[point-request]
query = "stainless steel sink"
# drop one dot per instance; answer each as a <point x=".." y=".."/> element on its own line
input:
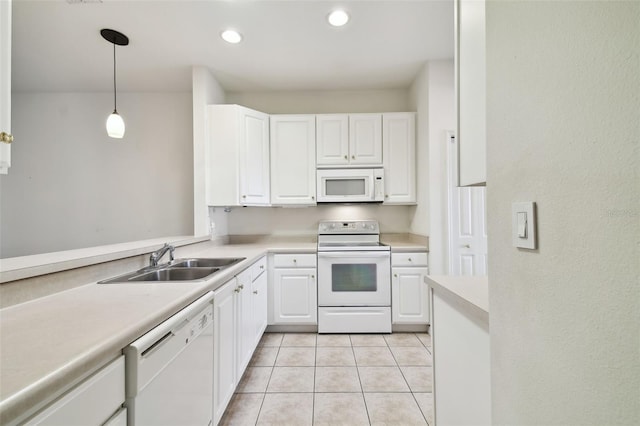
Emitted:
<point x="206" y="262"/>
<point x="175" y="274"/>
<point x="179" y="270"/>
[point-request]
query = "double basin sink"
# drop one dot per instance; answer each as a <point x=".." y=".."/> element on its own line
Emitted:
<point x="177" y="270"/>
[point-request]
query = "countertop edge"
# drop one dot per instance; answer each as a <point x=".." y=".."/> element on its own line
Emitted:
<point x="457" y="290"/>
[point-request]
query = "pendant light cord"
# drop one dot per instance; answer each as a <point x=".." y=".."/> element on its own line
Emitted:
<point x="114" y="79"/>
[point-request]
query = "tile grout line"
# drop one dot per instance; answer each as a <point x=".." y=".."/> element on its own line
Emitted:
<point x="366" y="409"/>
<point x="273" y="367"/>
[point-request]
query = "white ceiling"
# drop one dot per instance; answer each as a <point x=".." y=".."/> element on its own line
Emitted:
<point x="287" y="45"/>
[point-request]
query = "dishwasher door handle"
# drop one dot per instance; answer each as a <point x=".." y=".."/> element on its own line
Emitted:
<point x="157" y="345"/>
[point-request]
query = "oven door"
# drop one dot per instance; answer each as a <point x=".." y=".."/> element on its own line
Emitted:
<point x="354" y="278"/>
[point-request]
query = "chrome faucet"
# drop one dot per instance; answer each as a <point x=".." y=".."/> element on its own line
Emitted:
<point x="157" y="255"/>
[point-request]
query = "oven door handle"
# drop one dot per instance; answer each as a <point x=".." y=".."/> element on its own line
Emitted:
<point x="334" y="254"/>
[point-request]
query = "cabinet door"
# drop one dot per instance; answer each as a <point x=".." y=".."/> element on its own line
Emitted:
<point x="295" y="296"/>
<point x="254" y="158"/>
<point x="90" y="403"/>
<point x="293" y="160"/>
<point x="259" y="302"/>
<point x="409" y="297"/>
<point x="399" y="143"/>
<point x="471" y="91"/>
<point x="244" y="320"/>
<point x="332" y="139"/>
<point x="365" y="139"/>
<point x="5" y="83"/>
<point x="224" y="348"/>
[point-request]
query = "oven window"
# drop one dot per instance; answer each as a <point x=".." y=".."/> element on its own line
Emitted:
<point x="345" y="186"/>
<point x="356" y="277"/>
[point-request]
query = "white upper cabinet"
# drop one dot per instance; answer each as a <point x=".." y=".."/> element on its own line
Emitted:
<point x="470" y="60"/>
<point x="237" y="157"/>
<point x="399" y="142"/>
<point x="332" y="137"/>
<point x="365" y="139"/>
<point x="5" y="86"/>
<point x="293" y="159"/>
<point x="347" y="140"/>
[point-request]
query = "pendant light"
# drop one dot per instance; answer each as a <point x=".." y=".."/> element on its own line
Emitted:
<point x="115" y="124"/>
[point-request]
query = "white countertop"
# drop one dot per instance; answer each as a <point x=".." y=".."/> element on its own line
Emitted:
<point x="469" y="293"/>
<point x="50" y="344"/>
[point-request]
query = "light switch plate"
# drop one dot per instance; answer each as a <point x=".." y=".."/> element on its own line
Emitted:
<point x="524" y="211"/>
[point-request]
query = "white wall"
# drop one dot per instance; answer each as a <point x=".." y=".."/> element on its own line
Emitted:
<point x="563" y="130"/>
<point x="72" y="186"/>
<point x="432" y="96"/>
<point x="206" y="91"/>
<point x="317" y="102"/>
<point x="304" y="221"/>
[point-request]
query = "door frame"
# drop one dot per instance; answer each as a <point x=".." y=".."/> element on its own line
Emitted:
<point x="452" y="183"/>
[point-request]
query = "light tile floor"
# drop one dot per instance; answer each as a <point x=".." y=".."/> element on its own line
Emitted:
<point x="336" y="379"/>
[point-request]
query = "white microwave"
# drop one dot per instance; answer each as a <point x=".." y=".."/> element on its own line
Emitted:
<point x="350" y="185"/>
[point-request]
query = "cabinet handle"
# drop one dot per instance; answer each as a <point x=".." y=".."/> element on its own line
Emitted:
<point x="244" y="196"/>
<point x="465" y="246"/>
<point x="386" y="195"/>
<point x="6" y="137"/>
<point x="313" y="198"/>
<point x="346" y="157"/>
<point x="255" y="291"/>
<point x="261" y="266"/>
<point x="237" y="290"/>
<point x="241" y="286"/>
<point x="353" y="157"/>
<point x="410" y="260"/>
<point x="294" y="260"/>
<point x="395" y="275"/>
<point x="313" y="276"/>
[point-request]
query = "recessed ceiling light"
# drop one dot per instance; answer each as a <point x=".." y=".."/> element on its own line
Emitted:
<point x="338" y="18"/>
<point x="231" y="36"/>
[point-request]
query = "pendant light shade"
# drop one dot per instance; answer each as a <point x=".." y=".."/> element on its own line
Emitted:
<point x="115" y="123"/>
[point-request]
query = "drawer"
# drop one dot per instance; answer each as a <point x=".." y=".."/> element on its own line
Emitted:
<point x="294" y="260"/>
<point x="409" y="259"/>
<point x="258" y="268"/>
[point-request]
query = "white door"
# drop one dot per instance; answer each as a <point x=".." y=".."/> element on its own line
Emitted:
<point x="467" y="222"/>
<point x="293" y="160"/>
<point x="254" y="158"/>
<point x="399" y="145"/>
<point x="295" y="297"/>
<point x="365" y="139"/>
<point x="5" y="83"/>
<point x="332" y="139"/>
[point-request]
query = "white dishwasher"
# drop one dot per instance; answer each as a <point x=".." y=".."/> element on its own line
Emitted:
<point x="169" y="370"/>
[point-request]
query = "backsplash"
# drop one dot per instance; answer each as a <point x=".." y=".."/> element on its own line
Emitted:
<point x="304" y="221"/>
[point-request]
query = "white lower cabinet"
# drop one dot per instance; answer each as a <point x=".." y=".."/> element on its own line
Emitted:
<point x="224" y="347"/>
<point x="239" y="319"/>
<point x="259" y="291"/>
<point x="295" y="296"/>
<point x="409" y="293"/>
<point x="93" y="402"/>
